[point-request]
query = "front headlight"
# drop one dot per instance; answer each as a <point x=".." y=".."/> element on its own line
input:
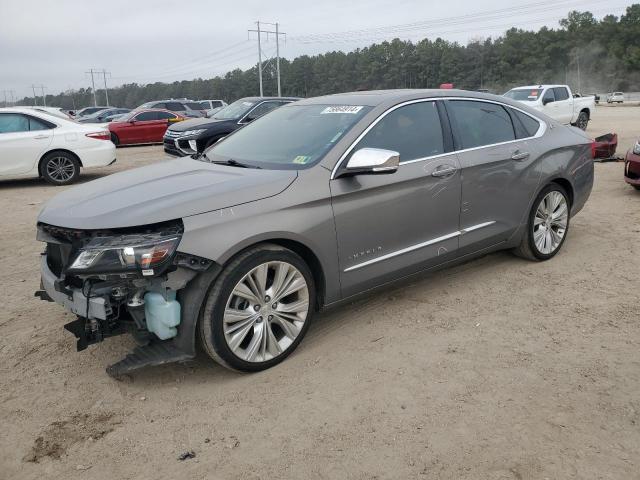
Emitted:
<point x="636" y="148"/>
<point x="144" y="253"/>
<point x="191" y="133"/>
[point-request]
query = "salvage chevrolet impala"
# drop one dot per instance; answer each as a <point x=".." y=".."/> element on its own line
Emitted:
<point x="308" y="206"/>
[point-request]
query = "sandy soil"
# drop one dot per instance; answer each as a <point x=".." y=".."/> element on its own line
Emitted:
<point x="496" y="369"/>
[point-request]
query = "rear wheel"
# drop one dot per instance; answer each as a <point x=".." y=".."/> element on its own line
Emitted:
<point x="59" y="168"/>
<point x="548" y="225"/>
<point x="259" y="309"/>
<point x="582" y="121"/>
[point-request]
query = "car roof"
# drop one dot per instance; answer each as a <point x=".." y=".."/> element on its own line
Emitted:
<point x="374" y="98"/>
<point x="260" y="99"/>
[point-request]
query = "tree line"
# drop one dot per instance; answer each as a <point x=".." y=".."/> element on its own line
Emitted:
<point x="590" y="55"/>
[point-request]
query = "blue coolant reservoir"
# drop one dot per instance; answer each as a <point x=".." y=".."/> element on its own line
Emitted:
<point x="162" y="315"/>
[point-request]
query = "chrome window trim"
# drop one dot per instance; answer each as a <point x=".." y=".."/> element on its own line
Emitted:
<point x="541" y="130"/>
<point x="418" y="246"/>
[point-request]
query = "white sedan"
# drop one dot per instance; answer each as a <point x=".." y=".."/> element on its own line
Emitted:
<point x="36" y="144"/>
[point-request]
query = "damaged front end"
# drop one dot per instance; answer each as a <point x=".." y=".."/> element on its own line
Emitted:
<point x="126" y="280"/>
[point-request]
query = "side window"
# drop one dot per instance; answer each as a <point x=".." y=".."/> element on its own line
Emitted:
<point x="480" y="123"/>
<point x="164" y="115"/>
<point x="561" y="93"/>
<point x="13" y="122"/>
<point x="526" y="126"/>
<point x="216" y="104"/>
<point x="36" y="124"/>
<point x="146" y="116"/>
<point x="549" y="96"/>
<point x="175" y="107"/>
<point x="261" y="109"/>
<point x="413" y="130"/>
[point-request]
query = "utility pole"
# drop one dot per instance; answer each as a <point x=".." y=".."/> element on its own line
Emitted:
<point x="35" y="99"/>
<point x="278" y="59"/>
<point x="11" y="92"/>
<point x="104" y="77"/>
<point x="44" y="99"/>
<point x="93" y="87"/>
<point x="277" y="34"/>
<point x="579" y="83"/>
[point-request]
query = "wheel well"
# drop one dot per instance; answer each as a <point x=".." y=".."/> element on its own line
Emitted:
<point x="566" y="184"/>
<point x="586" y="110"/>
<point x="308" y="256"/>
<point x="59" y="150"/>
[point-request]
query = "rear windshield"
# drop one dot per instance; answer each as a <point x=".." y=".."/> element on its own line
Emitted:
<point x="524" y="94"/>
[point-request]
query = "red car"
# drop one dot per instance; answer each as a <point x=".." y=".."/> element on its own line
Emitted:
<point x="142" y="126"/>
<point x="632" y="166"/>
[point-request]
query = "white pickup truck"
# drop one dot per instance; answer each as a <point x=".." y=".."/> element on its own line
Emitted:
<point x="558" y="102"/>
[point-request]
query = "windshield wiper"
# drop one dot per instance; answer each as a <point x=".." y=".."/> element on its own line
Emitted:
<point x="235" y="163"/>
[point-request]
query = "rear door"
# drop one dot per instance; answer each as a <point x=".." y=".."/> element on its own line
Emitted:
<point x="393" y="225"/>
<point x="23" y="140"/>
<point x="161" y="125"/>
<point x="142" y="128"/>
<point x="498" y="172"/>
<point x="563" y="105"/>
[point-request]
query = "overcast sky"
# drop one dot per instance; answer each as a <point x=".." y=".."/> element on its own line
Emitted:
<point x="53" y="42"/>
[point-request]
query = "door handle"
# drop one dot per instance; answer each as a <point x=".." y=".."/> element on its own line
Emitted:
<point x="40" y="137"/>
<point x="444" y="171"/>
<point x="518" y="155"/>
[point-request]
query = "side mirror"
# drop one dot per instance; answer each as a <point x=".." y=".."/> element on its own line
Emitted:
<point x="547" y="100"/>
<point x="367" y="161"/>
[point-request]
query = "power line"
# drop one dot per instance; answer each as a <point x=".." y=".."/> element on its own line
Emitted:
<point x="444" y="21"/>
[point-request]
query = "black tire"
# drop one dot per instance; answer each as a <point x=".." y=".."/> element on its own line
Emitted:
<point x="211" y="324"/>
<point x="637" y="187"/>
<point x="59" y="168"/>
<point x="582" y="121"/>
<point x="527" y="248"/>
<point x="115" y="139"/>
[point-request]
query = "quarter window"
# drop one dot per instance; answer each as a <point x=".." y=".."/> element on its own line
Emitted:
<point x="526" y="126"/>
<point x="413" y="130"/>
<point x="480" y="123"/>
<point x="549" y="96"/>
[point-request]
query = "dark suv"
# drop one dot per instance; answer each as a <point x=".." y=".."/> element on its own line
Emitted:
<point x="186" y="108"/>
<point x="195" y="135"/>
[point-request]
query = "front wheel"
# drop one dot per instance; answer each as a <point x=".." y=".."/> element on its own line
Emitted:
<point x="547" y="226"/>
<point x="258" y="309"/>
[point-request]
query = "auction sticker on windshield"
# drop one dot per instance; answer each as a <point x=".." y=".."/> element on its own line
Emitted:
<point x="342" y="109"/>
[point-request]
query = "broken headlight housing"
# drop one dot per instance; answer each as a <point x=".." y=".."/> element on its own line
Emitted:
<point x="147" y="254"/>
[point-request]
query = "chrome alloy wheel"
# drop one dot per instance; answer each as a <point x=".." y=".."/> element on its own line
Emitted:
<point x="550" y="222"/>
<point x="60" y="169"/>
<point x="266" y="311"/>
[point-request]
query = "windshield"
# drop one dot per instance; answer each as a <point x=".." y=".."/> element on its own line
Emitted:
<point x="524" y="94"/>
<point x="290" y="137"/>
<point x="235" y="110"/>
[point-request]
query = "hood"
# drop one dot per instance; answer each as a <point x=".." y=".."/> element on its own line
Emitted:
<point x="160" y="192"/>
<point x="194" y="123"/>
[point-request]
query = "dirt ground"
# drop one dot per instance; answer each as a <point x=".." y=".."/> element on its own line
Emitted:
<point x="496" y="369"/>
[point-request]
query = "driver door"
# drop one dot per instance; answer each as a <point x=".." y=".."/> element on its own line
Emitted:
<point x="392" y="225"/>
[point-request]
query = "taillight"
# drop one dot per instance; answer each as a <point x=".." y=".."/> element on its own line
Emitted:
<point x="103" y="135"/>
